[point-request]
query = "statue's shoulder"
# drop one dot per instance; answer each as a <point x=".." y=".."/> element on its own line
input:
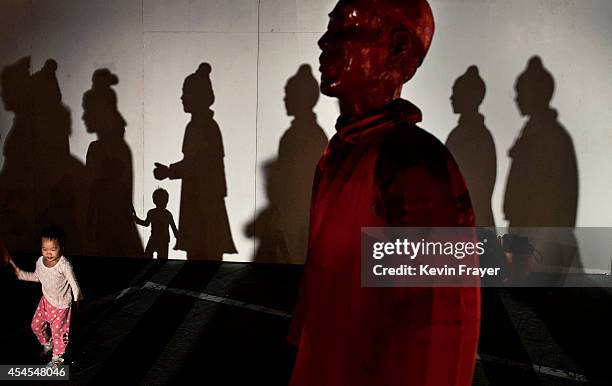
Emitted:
<point x="409" y="145"/>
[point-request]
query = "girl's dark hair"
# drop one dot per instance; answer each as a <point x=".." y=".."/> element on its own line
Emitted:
<point x="160" y="196"/>
<point x="54" y="233"/>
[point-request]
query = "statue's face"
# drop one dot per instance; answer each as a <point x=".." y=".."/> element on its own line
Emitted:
<point x="7" y="99"/>
<point x="534" y="88"/>
<point x="465" y="97"/>
<point x="197" y="95"/>
<point x="187" y="98"/>
<point x="456" y="99"/>
<point x="520" y="101"/>
<point x="354" y="51"/>
<point x="14" y="94"/>
<point x="89" y="117"/>
<point x="525" y="99"/>
<point x="289" y="101"/>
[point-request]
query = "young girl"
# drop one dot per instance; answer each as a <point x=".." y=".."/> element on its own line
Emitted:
<point x="59" y="288"/>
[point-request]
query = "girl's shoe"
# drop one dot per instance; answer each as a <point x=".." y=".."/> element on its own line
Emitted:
<point x="55" y="362"/>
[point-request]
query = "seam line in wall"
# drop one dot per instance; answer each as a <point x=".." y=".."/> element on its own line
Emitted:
<point x="142" y="203"/>
<point x="256" y="129"/>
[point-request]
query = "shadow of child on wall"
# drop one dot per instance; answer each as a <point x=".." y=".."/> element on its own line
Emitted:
<point x="160" y="219"/>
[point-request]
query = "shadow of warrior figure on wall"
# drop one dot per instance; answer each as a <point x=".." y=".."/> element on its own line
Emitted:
<point x="110" y="228"/>
<point x="17" y="208"/>
<point x="60" y="177"/>
<point x="203" y="222"/>
<point x="41" y="182"/>
<point x="471" y="143"/>
<point x="299" y="151"/>
<point x="473" y="148"/>
<point x="542" y="186"/>
<point x="265" y="227"/>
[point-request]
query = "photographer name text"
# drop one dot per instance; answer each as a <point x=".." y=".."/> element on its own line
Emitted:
<point x="425" y="270"/>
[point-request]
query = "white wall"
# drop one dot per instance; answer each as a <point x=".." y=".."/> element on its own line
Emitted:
<point x="255" y="46"/>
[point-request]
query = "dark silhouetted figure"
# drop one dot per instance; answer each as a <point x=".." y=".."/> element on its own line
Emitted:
<point x="110" y="227"/>
<point x="61" y="177"/>
<point x="542" y="186"/>
<point x="472" y="145"/>
<point x="265" y="228"/>
<point x="160" y="220"/>
<point x="205" y="231"/>
<point x="17" y="209"/>
<point x="299" y="151"/>
<point x="541" y="202"/>
<point x="473" y="148"/>
<point x="282" y="227"/>
<point x="42" y="176"/>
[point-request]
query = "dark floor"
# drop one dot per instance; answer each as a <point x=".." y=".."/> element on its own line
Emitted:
<point x="153" y="322"/>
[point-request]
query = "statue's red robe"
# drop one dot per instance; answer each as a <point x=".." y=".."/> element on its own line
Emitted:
<point x="382" y="170"/>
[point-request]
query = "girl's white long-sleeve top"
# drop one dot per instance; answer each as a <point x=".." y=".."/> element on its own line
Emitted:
<point x="59" y="284"/>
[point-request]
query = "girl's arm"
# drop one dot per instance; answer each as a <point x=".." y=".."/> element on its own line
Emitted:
<point x="24" y="275"/>
<point x="145" y="223"/>
<point x="7" y="259"/>
<point x="4" y="255"/>
<point x="21" y="275"/>
<point x="173" y="226"/>
<point x="74" y="285"/>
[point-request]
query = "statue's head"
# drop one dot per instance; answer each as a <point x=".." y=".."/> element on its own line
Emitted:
<point x="16" y="85"/>
<point x="197" y="90"/>
<point x="301" y="92"/>
<point x="374" y="46"/>
<point x="468" y="92"/>
<point x="534" y="87"/>
<point x="47" y="95"/>
<point x="100" y="113"/>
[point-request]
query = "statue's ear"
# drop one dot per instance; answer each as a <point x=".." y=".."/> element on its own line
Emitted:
<point x="406" y="54"/>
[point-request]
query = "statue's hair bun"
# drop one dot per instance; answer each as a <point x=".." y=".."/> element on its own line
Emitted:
<point x="204" y="69"/>
<point x="50" y="65"/>
<point x="304" y="70"/>
<point x="535" y="62"/>
<point x="472" y="70"/>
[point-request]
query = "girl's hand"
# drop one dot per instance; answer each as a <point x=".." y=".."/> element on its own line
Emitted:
<point x="4" y="255"/>
<point x="14" y="266"/>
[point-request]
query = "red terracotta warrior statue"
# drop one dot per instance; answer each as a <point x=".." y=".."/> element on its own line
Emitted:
<point x="380" y="169"/>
